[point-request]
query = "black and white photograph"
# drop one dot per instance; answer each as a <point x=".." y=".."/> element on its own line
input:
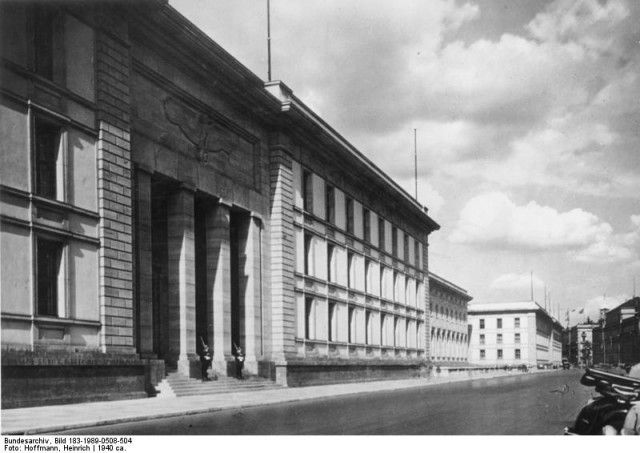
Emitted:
<point x="258" y="220"/>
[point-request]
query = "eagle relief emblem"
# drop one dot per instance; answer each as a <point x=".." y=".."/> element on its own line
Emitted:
<point x="205" y="135"/>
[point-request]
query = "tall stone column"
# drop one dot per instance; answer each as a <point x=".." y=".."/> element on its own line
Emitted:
<point x="182" y="279"/>
<point x="283" y="322"/>
<point x="218" y="236"/>
<point x="253" y="295"/>
<point x="144" y="266"/>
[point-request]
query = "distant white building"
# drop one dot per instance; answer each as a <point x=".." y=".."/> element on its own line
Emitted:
<point x="449" y="325"/>
<point x="514" y="333"/>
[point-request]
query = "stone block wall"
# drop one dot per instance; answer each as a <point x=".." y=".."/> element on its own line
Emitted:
<point x="115" y="185"/>
<point x="56" y="377"/>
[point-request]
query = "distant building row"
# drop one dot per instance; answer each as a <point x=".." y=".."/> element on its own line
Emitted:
<point x="613" y="340"/>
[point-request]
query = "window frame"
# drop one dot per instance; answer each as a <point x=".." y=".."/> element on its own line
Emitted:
<point x="349" y="207"/>
<point x="55" y="306"/>
<point x="307" y="190"/>
<point x="43" y="125"/>
<point x="366" y="224"/>
<point x="330" y="204"/>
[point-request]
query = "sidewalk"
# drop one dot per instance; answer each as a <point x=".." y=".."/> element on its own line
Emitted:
<point x="50" y="419"/>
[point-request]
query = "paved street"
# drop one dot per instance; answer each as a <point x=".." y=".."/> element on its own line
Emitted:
<point x="537" y="403"/>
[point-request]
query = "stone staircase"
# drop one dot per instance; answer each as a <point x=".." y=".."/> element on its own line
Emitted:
<point x="177" y="385"/>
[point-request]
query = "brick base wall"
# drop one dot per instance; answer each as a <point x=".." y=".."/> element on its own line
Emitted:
<point x="39" y="379"/>
<point x="305" y="373"/>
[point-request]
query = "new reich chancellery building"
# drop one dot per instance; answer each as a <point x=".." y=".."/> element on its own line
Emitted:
<point x="156" y="195"/>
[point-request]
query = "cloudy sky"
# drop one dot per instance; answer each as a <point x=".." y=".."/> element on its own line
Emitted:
<point x="527" y="115"/>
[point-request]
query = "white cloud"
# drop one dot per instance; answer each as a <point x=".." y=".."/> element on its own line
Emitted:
<point x="613" y="248"/>
<point x="516" y="282"/>
<point x="580" y="21"/>
<point x="492" y="218"/>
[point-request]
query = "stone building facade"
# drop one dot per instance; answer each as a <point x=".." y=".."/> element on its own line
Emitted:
<point x="575" y="340"/>
<point x="616" y="338"/>
<point x="514" y="333"/>
<point x="449" y="321"/>
<point x="157" y="195"/>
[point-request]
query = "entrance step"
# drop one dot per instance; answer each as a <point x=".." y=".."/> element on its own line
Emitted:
<point x="177" y="385"/>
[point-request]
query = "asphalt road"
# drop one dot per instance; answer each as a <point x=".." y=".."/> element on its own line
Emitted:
<point x="522" y="404"/>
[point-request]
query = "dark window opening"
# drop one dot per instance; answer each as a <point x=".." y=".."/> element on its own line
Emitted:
<point x="47" y="147"/>
<point x="307" y="191"/>
<point x="307" y="254"/>
<point x="49" y="254"/>
<point x="381" y="235"/>
<point x="366" y="223"/>
<point x="308" y="313"/>
<point x="43" y="40"/>
<point x="330" y="204"/>
<point x="349" y="215"/>
<point x="394" y="241"/>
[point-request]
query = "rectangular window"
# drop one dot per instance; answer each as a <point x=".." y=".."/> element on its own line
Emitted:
<point x="483" y="354"/>
<point x="43" y="40"/>
<point x="352" y="325"/>
<point x="516" y="323"/>
<point x="482" y="323"/>
<point x="396" y="287"/>
<point x="366" y="224"/>
<point x="394" y="241"/>
<point x="499" y="323"/>
<point x="350" y="270"/>
<point x="369" y="330"/>
<point x="330" y="204"/>
<point x="381" y="235"/>
<point x="481" y="338"/>
<point x="499" y="338"/>
<point x="367" y="276"/>
<point x="333" y="333"/>
<point x="517" y="338"/>
<point x="499" y="354"/>
<point x="330" y="257"/>
<point x="48" y="257"/>
<point x="47" y="140"/>
<point x="349" y="214"/>
<point x="416" y="250"/>
<point x="407" y="290"/>
<point x="396" y="341"/>
<point x="307" y="254"/>
<point x="406" y="247"/>
<point x="308" y="318"/>
<point x="517" y="353"/>
<point x="307" y="190"/>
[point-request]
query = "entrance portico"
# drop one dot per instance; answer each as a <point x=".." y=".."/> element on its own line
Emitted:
<point x="202" y="256"/>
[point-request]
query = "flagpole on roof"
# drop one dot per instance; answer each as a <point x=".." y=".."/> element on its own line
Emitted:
<point x="269" y="40"/>
<point x="415" y="156"/>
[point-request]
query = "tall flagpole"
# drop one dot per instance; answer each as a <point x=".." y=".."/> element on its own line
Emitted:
<point x="269" y="40"/>
<point x="532" y="285"/>
<point x="415" y="155"/>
